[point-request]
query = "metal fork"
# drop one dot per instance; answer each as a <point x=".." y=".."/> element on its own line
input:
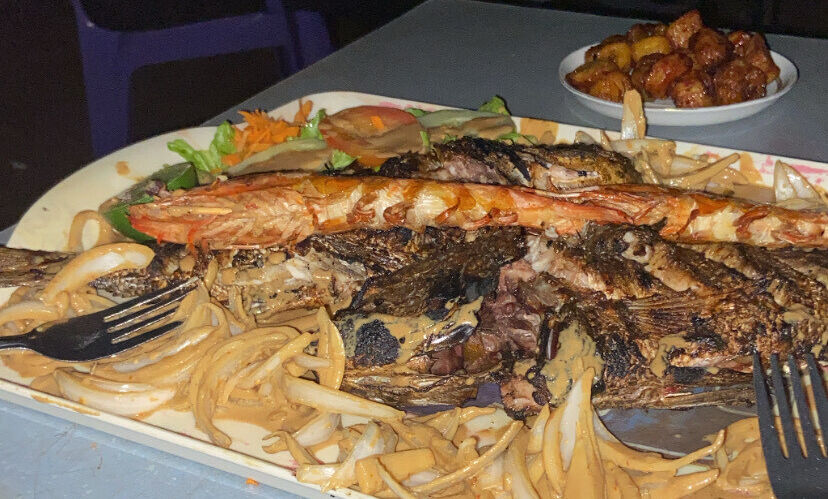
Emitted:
<point x="799" y="474"/>
<point x="108" y="332"/>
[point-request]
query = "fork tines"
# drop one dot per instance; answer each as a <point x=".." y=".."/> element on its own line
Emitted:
<point x="793" y="470"/>
<point x="145" y="311"/>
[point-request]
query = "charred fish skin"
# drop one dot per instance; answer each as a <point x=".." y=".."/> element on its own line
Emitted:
<point x="696" y="324"/>
<point x="462" y="265"/>
<point x="795" y="288"/>
<point x="544" y="167"/>
<point x="432" y="299"/>
<point x="172" y="263"/>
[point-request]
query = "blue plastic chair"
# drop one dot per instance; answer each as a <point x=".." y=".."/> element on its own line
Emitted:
<point x="110" y="57"/>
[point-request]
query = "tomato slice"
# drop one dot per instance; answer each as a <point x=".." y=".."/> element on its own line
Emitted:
<point x="373" y="133"/>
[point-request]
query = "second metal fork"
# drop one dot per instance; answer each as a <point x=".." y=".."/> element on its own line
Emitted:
<point x="797" y="472"/>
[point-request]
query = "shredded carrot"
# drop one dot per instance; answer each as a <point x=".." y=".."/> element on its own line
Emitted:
<point x="377" y="122"/>
<point x="250" y="481"/>
<point x="263" y="131"/>
<point x="231" y="159"/>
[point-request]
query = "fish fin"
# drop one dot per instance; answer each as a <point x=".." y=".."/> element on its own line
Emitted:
<point x="22" y="267"/>
<point x="684" y="301"/>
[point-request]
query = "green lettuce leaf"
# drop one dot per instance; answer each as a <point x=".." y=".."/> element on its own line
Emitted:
<point x="425" y="139"/>
<point x="310" y="130"/>
<point x="223" y="139"/>
<point x="208" y="160"/>
<point x="416" y="112"/>
<point x="340" y="159"/>
<point x="495" y="105"/>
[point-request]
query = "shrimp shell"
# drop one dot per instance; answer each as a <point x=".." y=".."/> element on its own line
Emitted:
<point x="283" y="209"/>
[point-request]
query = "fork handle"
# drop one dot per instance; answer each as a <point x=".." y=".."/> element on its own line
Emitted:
<point x="19" y="341"/>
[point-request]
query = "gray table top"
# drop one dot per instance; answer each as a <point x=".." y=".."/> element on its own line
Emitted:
<point x="461" y="53"/>
<point x="445" y="51"/>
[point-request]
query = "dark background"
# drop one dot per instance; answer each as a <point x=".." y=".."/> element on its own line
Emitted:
<point x="44" y="130"/>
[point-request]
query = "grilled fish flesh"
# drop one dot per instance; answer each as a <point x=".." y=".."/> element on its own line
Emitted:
<point x="483" y="161"/>
<point x="658" y="319"/>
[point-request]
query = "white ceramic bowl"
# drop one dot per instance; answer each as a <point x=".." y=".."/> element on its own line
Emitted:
<point x="664" y="112"/>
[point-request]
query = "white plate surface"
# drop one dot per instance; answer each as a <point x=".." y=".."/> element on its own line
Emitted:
<point x="45" y="226"/>
<point x="664" y="112"/>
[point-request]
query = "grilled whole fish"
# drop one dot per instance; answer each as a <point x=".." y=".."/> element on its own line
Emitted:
<point x="427" y="317"/>
<point x="657" y="319"/>
<point x="549" y="168"/>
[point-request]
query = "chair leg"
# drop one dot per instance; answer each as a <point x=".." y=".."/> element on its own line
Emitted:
<point x="107" y="91"/>
<point x="289" y="59"/>
<point x="282" y="37"/>
<point x="312" y="37"/>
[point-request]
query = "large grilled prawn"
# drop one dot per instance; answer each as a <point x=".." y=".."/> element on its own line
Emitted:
<point x="283" y="209"/>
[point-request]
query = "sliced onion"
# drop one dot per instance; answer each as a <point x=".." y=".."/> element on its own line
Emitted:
<point x="551" y="452"/>
<point x="317" y="474"/>
<point x="369" y="444"/>
<point x="634" y="146"/>
<point x="334" y="351"/>
<point x="395" y="486"/>
<point x="605" y="141"/>
<point x="106" y="234"/>
<point x="790" y="184"/>
<point x="753" y="192"/>
<point x="322" y="398"/>
<point x="633" y="124"/>
<point x="33" y="310"/>
<point x="582" y="137"/>
<point x="569" y="418"/>
<point x="685" y="164"/>
<point x="310" y="362"/>
<point x="293" y="347"/>
<point x="536" y="435"/>
<point x="317" y="430"/>
<point x="484" y="428"/>
<point x="515" y="464"/>
<point x="649" y="462"/>
<point x="601" y="430"/>
<point x="169" y="349"/>
<point x="95" y="263"/>
<point x="421" y="477"/>
<point x="642" y="164"/>
<point x="475" y="466"/>
<point x="701" y="176"/>
<point x="125" y="399"/>
<point x="490" y="477"/>
<point x="585" y="465"/>
<point x="171" y="369"/>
